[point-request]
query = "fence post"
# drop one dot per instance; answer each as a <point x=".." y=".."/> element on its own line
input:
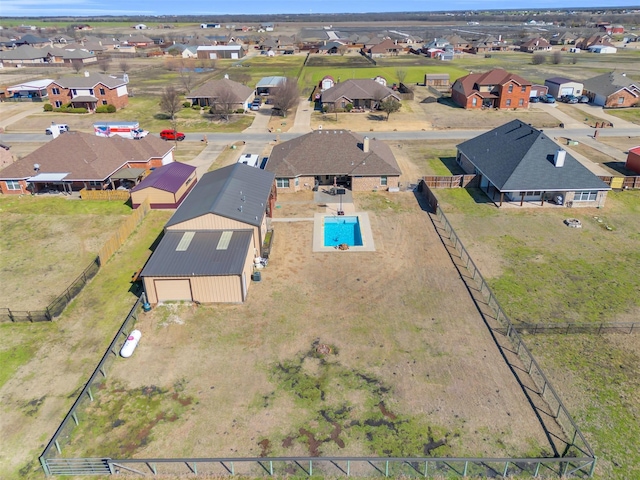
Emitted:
<point x="10" y="315"/>
<point x="45" y="466"/>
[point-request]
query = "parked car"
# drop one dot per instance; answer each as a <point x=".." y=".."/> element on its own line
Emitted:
<point x="58" y="127"/>
<point x="172" y="135"/>
<point x="534" y="100"/>
<point x="569" y="99"/>
<point x="583" y="99"/>
<point x="548" y="98"/>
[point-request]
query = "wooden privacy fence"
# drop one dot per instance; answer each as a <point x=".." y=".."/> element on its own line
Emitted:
<point x="451" y="181"/>
<point x="621" y="183"/>
<point x="123" y="232"/>
<point x="122" y="195"/>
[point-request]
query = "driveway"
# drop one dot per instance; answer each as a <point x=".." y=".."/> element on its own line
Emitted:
<point x="302" y="122"/>
<point x="14" y="111"/>
<point x="598" y="111"/>
<point x="551" y="109"/>
<point x="261" y="121"/>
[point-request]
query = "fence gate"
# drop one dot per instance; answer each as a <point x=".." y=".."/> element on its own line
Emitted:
<point x="78" y="466"/>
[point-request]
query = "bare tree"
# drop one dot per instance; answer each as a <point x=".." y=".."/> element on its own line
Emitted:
<point x="77" y="66"/>
<point x="225" y="102"/>
<point x="125" y="66"/>
<point x="401" y="74"/>
<point x="240" y="77"/>
<point x="538" y="59"/>
<point x="342" y="49"/>
<point x="390" y="106"/>
<point x="170" y="102"/>
<point x="104" y="64"/>
<point x="556" y="58"/>
<point x="186" y="76"/>
<point x="286" y="95"/>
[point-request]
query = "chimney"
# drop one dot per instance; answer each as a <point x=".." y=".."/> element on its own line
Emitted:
<point x="558" y="158"/>
<point x="365" y="145"/>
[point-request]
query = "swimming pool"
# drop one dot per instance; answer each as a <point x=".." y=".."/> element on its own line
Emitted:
<point x="339" y="230"/>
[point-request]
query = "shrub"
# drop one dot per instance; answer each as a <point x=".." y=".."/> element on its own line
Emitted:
<point x="102" y="109"/>
<point x="48" y="107"/>
<point x="349" y="107"/>
<point x="538" y="59"/>
<point x="195" y="107"/>
<point x="239" y="110"/>
<point x="70" y="110"/>
<point x="186" y="104"/>
<point x="111" y="109"/>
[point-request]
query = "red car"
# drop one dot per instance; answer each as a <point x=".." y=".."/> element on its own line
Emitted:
<point x="172" y="135"/>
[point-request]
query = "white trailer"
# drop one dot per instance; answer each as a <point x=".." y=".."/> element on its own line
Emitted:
<point x="123" y="129"/>
<point x="252" y="160"/>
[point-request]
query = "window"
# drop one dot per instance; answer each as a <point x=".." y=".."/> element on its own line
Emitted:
<point x="523" y="89"/>
<point x="296" y="182"/>
<point x="91" y="91"/>
<point x="521" y="102"/>
<point x="13" y="185"/>
<point x="383" y="180"/>
<point x="344" y="104"/>
<point x="55" y="91"/>
<point x="586" y="196"/>
<point x="74" y="92"/>
<point x="508" y="102"/>
<point x="510" y="88"/>
<point x="58" y="103"/>
<point x="282" y="182"/>
<point x="104" y="102"/>
<point x="94" y="183"/>
<point x="102" y="92"/>
<point x="620" y="100"/>
<point x="474" y="101"/>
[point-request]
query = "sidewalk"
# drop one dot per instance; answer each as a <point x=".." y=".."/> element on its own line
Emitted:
<point x="602" y="113"/>
<point x="559" y="115"/>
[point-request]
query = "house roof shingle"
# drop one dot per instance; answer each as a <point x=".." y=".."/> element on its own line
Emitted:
<point x="332" y="152"/>
<point x="516" y="157"/>
<point x="214" y="88"/>
<point x="86" y="157"/>
<point x="609" y="83"/>
<point x="169" y="177"/>
<point x="89" y="81"/>
<point x="358" y="89"/>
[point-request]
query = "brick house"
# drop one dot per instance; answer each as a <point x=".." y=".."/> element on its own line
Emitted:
<point x="633" y="159"/>
<point x="537" y="44"/>
<point x="333" y="157"/>
<point x="89" y="91"/>
<point x="612" y="90"/>
<point x="519" y="164"/>
<point x="360" y="92"/>
<point x="496" y="88"/>
<point x="76" y="160"/>
<point x="385" y="48"/>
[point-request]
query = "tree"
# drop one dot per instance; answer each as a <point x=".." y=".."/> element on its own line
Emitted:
<point x="240" y="77"/>
<point x="125" y="66"/>
<point x="286" y="95"/>
<point x="104" y="63"/>
<point x="342" y="49"/>
<point x="556" y="58"/>
<point x="77" y="66"/>
<point x="538" y="59"/>
<point x="224" y="102"/>
<point x="170" y="102"/>
<point x="389" y="106"/>
<point x="186" y="76"/>
<point x="401" y="74"/>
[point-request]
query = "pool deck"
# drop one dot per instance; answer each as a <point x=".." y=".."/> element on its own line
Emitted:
<point x="365" y="232"/>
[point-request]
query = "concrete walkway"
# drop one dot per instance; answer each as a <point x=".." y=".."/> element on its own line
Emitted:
<point x="16" y="111"/>
<point x="261" y="121"/>
<point x="555" y="112"/>
<point x="597" y="111"/>
<point x="206" y="157"/>
<point x="302" y="123"/>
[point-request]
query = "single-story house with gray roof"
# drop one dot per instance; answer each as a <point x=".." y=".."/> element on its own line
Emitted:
<point x="208" y="249"/>
<point x="361" y="93"/>
<point x="328" y="157"/>
<point x="518" y="163"/>
<point x="224" y="93"/>
<point x="612" y="90"/>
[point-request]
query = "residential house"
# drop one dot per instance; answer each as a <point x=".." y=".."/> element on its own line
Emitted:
<point x="360" y="93"/>
<point x="165" y="187"/>
<point x="207" y="252"/>
<point x="385" y="48"/>
<point x="459" y="43"/>
<point x="633" y="159"/>
<point x="138" y="40"/>
<point x="89" y="91"/>
<point x="538" y="90"/>
<point x="612" y="90"/>
<point x="76" y="160"/>
<point x="520" y="164"/>
<point x="496" y="88"/>
<point x="567" y="38"/>
<point x="603" y="49"/>
<point x="34" y="41"/>
<point x="332" y="48"/>
<point x="561" y="86"/>
<point x="537" y="44"/>
<point x="333" y="157"/>
<point x="224" y="93"/>
<point x="487" y="44"/>
<point x="232" y="51"/>
<point x="585" y="43"/>
<point x="31" y="56"/>
<point x="267" y="26"/>
<point x="325" y="84"/>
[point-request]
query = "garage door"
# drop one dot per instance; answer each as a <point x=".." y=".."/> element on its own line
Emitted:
<point x="566" y="91"/>
<point x="234" y="56"/>
<point x="167" y="290"/>
<point x="213" y="56"/>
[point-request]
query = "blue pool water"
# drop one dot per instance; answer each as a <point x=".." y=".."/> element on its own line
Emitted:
<point x="339" y="230"/>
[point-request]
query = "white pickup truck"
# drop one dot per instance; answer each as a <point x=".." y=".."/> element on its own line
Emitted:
<point x="56" y="129"/>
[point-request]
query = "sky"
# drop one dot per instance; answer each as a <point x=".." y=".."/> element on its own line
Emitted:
<point x="36" y="8"/>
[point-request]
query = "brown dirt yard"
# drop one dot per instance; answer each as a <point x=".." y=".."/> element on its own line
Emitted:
<point x="411" y="361"/>
<point x="417" y="115"/>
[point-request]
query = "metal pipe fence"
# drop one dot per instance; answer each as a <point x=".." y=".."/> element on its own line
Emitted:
<point x="577" y="442"/>
<point x="572" y="328"/>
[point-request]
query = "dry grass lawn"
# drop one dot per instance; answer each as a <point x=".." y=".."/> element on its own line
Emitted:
<point x="411" y="361"/>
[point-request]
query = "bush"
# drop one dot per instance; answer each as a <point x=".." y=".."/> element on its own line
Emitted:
<point x="186" y="104"/>
<point x="195" y="107"/>
<point x="48" y="107"/>
<point x="349" y="107"/>
<point x="70" y="110"/>
<point x="111" y="109"/>
<point x="538" y="59"/>
<point x="239" y="110"/>
<point x="102" y="109"/>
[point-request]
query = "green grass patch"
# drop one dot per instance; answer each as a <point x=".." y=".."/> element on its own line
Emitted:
<point x="13" y="358"/>
<point x="470" y="201"/>
<point x="606" y="374"/>
<point x="36" y="205"/>
<point x="629" y="114"/>
<point x="379" y="202"/>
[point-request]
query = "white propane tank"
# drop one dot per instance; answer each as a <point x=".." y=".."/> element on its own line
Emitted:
<point x="130" y="344"/>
